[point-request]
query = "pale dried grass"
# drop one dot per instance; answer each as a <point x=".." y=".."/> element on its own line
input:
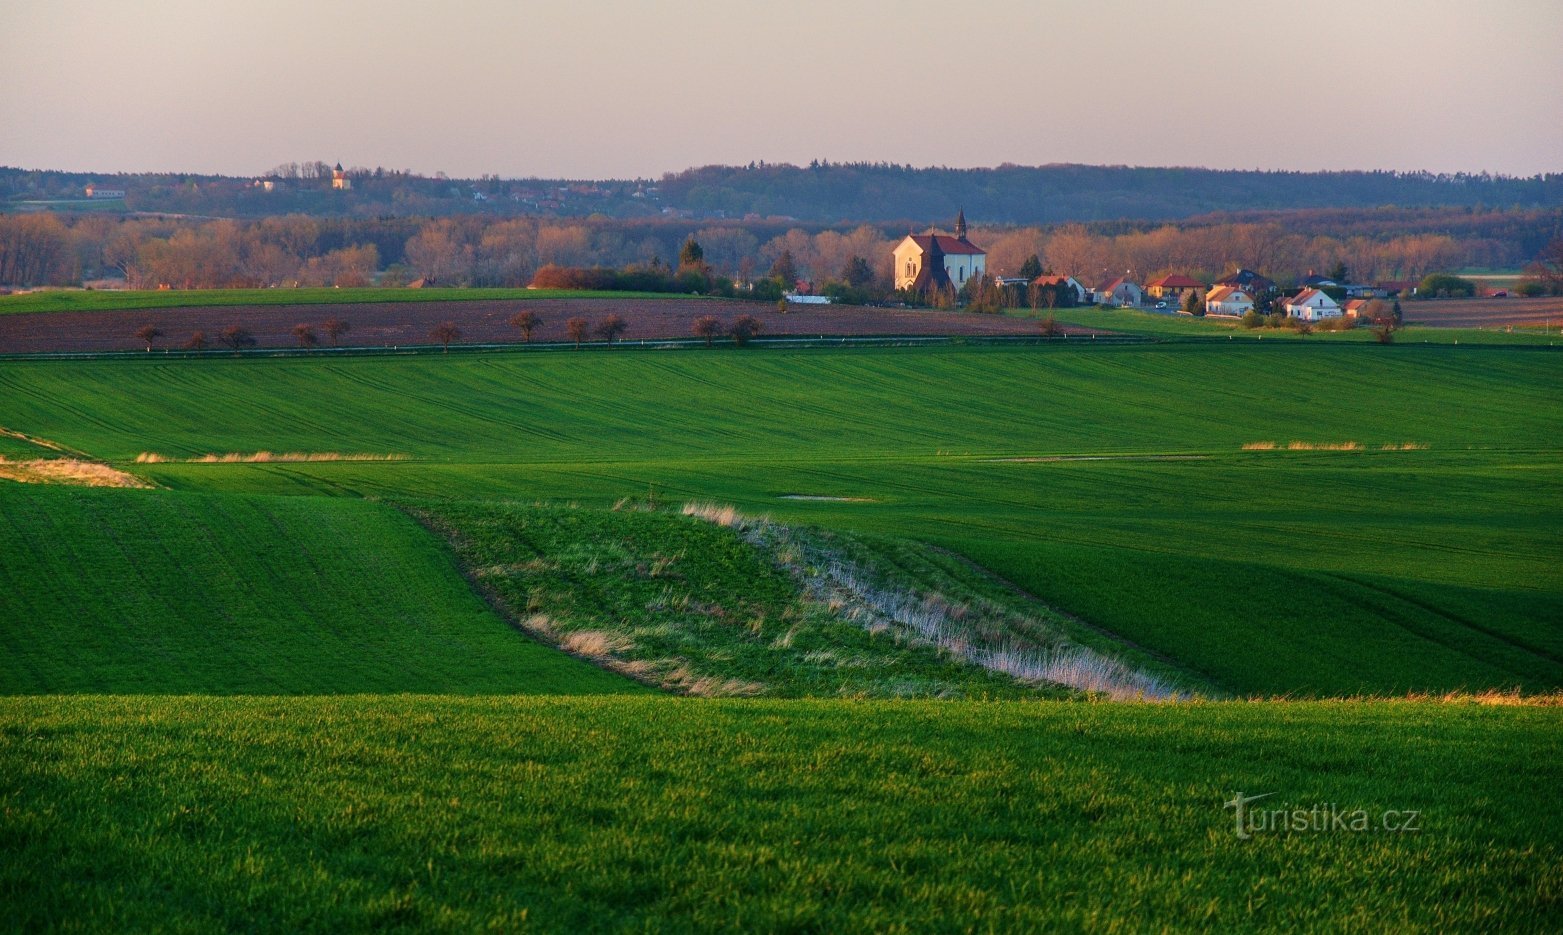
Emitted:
<point x="68" y="471"/>
<point x="595" y="644"/>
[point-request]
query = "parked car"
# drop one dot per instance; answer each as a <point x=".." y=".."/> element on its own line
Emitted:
<point x="1158" y="304"/>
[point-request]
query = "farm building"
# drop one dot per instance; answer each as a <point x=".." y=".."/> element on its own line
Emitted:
<point x="1120" y="291"/>
<point x="1312" y="305"/>
<point x="1228" y="300"/>
<point x="938" y="260"/>
<point x="98" y="192"/>
<point x="1174" y="286"/>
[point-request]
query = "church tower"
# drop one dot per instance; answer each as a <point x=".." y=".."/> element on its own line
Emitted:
<point x="960" y="226"/>
<point x="339" y="179"/>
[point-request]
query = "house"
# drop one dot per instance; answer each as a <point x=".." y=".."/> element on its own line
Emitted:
<point x="1355" y="308"/>
<point x="1228" y="300"/>
<point x="1315" y="281"/>
<point x="1246" y="280"/>
<point x="99" y="193"/>
<point x="1311" y="305"/>
<point x="930" y="260"/>
<point x="1174" y="286"/>
<point x="339" y="180"/>
<point x="1120" y="291"/>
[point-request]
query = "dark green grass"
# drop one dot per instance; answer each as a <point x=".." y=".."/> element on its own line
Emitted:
<point x="162" y="593"/>
<point x="109" y="300"/>
<point x="1253" y="565"/>
<point x="357" y="814"/>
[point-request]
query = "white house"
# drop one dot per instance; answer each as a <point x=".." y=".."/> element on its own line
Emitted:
<point x="933" y="259"/>
<point x="1120" y="291"/>
<point x="1312" y="305"/>
<point x="1228" y="300"/>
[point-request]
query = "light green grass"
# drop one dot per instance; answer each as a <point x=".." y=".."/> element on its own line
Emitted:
<point x="432" y="814"/>
<point x="74" y="300"/>
<point x="166" y="593"/>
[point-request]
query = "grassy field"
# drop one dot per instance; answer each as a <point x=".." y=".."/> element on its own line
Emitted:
<point x="358" y="814"/>
<point x="1266" y="571"/>
<point x="1270" y="518"/>
<point x="167" y="593"/>
<point x="1186" y="327"/>
<point x="76" y="300"/>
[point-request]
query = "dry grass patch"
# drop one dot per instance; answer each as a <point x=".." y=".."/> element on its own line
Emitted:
<point x="68" y="471"/>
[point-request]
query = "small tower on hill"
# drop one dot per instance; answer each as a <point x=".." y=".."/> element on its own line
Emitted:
<point x="339" y="179"/>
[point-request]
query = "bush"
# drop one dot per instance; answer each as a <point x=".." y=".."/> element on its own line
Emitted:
<point x="1531" y="288"/>
<point x="1276" y="320"/>
<point x="1443" y="285"/>
<point x="1252" y="319"/>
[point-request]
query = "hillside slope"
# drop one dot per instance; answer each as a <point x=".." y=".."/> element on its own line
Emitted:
<point x="168" y="593"/>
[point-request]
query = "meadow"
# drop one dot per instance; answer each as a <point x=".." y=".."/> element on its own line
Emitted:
<point x="311" y="683"/>
<point x="616" y="814"/>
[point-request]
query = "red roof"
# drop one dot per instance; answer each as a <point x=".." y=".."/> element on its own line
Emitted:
<point x="1175" y="281"/>
<point x="948" y="244"/>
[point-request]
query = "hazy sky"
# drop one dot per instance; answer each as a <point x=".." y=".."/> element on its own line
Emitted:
<point x="622" y="89"/>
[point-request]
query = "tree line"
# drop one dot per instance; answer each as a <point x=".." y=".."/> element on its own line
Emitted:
<point x="298" y="250"/>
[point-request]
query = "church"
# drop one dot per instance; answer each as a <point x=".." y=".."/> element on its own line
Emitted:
<point x="938" y="260"/>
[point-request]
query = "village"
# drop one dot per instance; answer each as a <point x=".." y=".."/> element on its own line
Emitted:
<point x="932" y="263"/>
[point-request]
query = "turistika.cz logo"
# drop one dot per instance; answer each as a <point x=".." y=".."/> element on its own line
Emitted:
<point x="1316" y="818"/>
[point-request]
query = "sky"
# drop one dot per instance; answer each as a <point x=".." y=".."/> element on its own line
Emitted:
<point x="624" y="89"/>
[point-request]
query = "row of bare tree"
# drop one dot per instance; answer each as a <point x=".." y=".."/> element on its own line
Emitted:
<point x="45" y="249"/>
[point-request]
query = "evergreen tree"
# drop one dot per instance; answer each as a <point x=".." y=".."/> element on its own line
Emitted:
<point x="786" y="269"/>
<point x="1032" y="268"/>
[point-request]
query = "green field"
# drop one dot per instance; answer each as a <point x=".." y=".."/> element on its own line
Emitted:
<point x="1246" y="518"/>
<point x="162" y="593"/>
<point x="359" y="814"/>
<point x="1266" y="572"/>
<point x="74" y="300"/>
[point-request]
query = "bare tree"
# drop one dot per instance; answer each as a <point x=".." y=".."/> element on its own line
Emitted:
<point x="146" y="334"/>
<point x="526" y="323"/>
<point x="577" y="328"/>
<point x="306" y="335"/>
<point x="236" y="337"/>
<point x="197" y="340"/>
<point x="1049" y="326"/>
<point x="611" y="327"/>
<point x="743" y="328"/>
<point x="335" y="328"/>
<point x="708" y="327"/>
<point x="446" y="332"/>
<point x="1384" y="321"/>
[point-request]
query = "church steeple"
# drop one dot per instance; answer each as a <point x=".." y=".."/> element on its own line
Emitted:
<point x="960" y="225"/>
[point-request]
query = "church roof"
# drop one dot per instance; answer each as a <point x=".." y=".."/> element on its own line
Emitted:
<point x="947" y="244"/>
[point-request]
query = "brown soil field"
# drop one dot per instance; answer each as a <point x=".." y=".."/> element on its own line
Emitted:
<point x="400" y="324"/>
<point x="1483" y="313"/>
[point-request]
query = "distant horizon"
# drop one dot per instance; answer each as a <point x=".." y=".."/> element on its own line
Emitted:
<point x="358" y="166"/>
